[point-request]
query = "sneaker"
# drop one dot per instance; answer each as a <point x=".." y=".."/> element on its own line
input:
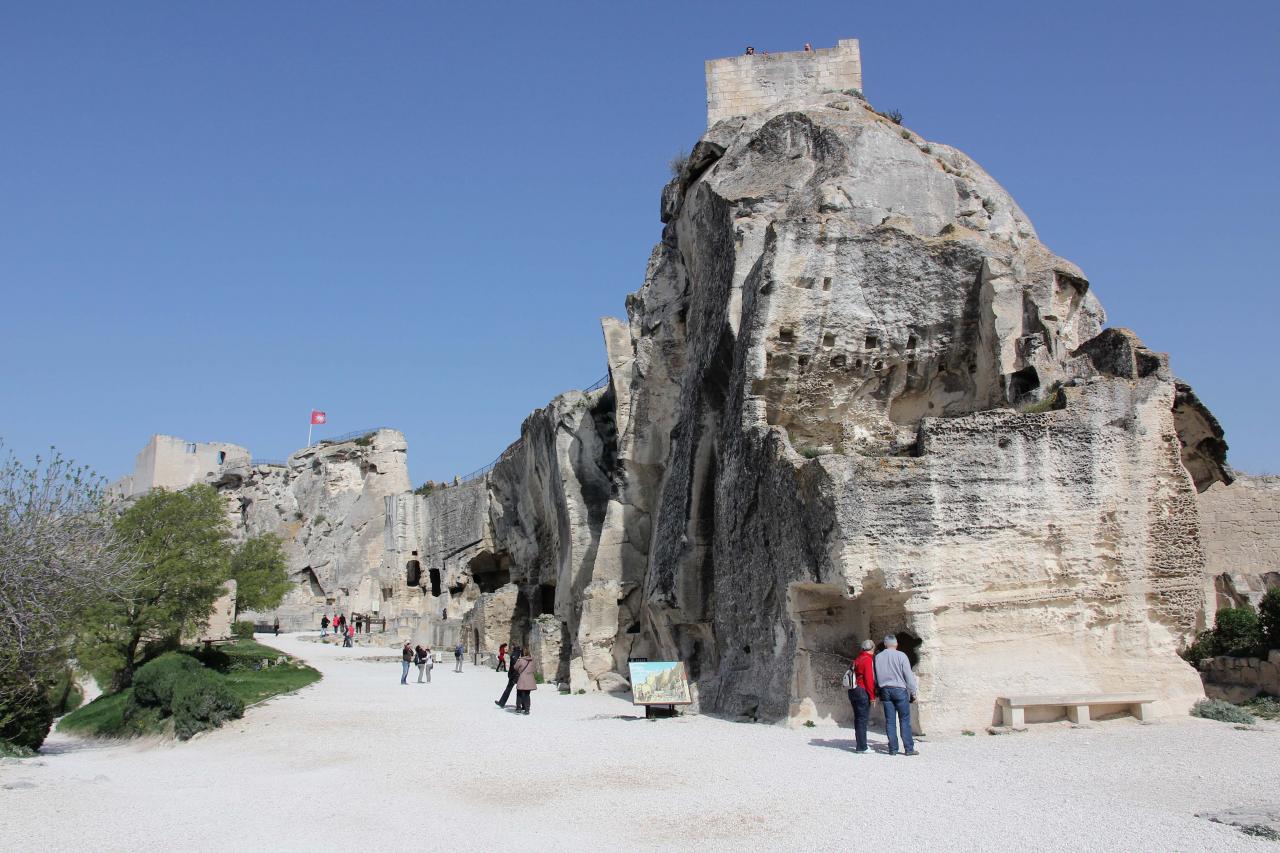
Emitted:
<point x="910" y="752"/>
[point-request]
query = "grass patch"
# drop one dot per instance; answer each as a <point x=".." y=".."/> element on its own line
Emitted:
<point x="13" y="750"/>
<point x="246" y="668"/>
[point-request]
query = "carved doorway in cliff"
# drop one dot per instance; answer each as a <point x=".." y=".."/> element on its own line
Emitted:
<point x="434" y="575"/>
<point x="412" y="573"/>
<point x="488" y="572"/>
<point x="829" y="629"/>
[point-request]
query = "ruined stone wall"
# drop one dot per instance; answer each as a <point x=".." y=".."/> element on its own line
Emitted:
<point x="741" y="85"/>
<point x="1241" y="539"/>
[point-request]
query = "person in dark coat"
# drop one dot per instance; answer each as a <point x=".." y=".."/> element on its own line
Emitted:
<point x="512" y="675"/>
<point x="324" y="625"/>
<point x="526" y="683"/>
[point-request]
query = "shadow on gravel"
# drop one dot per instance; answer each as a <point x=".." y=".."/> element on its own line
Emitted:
<point x="847" y="745"/>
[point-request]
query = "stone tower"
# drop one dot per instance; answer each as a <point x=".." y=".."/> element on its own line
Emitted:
<point x="741" y="85"/>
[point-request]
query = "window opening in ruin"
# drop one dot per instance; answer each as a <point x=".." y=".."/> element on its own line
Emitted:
<point x="222" y="457"/>
<point x="826" y="284"/>
<point x="191" y="447"/>
<point x="1023" y="383"/>
<point x="488" y="574"/>
<point x="872" y="342"/>
<point x="434" y="575"/>
<point x="412" y="573"/>
<point x="786" y="334"/>
<point x="547" y="598"/>
<point x="838" y="361"/>
<point x="857" y="363"/>
<point x="828" y="341"/>
<point x="457" y="588"/>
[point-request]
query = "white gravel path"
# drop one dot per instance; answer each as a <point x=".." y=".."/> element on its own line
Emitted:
<point x="359" y="763"/>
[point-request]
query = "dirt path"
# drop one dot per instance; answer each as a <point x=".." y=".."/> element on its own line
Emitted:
<point x="358" y="762"/>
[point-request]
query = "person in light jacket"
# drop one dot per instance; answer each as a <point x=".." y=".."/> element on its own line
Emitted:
<point x="525" y="683"/>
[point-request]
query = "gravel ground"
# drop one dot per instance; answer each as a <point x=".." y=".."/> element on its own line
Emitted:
<point x="359" y="762"/>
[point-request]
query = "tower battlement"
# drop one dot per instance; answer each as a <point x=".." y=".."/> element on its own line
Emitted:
<point x="741" y="85"/>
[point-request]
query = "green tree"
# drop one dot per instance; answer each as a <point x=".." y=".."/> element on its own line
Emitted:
<point x="260" y="572"/>
<point x="182" y="558"/>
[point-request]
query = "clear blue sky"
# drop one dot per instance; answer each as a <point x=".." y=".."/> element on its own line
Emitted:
<point x="214" y="216"/>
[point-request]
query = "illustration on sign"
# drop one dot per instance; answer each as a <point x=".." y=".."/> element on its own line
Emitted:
<point x="659" y="683"/>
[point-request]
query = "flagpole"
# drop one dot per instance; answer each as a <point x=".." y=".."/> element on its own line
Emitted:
<point x="309" y="425"/>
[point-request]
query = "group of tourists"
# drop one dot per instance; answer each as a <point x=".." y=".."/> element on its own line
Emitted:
<point x="520" y="676"/>
<point x="341" y="628"/>
<point x="419" y="657"/>
<point x="887" y="678"/>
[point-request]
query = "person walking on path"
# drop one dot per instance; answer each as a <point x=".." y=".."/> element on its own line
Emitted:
<point x="512" y="675"/>
<point x="502" y="659"/>
<point x="349" y="640"/>
<point x="457" y="658"/>
<point x="324" y="625"/>
<point x="525" y="683"/>
<point x="898" y="688"/>
<point x="359" y="622"/>
<point x="860" y="681"/>
<point x="406" y="657"/>
<point x="276" y="627"/>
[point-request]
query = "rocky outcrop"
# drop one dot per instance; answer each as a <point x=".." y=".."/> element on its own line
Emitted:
<point x="328" y="504"/>
<point x="856" y="395"/>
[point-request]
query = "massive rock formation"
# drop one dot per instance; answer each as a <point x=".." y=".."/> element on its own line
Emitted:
<point x="854" y="395"/>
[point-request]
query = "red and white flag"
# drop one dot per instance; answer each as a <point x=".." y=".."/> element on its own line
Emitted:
<point x="317" y="417"/>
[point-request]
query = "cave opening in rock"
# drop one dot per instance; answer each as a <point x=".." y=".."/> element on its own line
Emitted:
<point x="546" y="598"/>
<point x="1023" y="383"/>
<point x="434" y="576"/>
<point x="487" y="572"/>
<point x="412" y="573"/>
<point x="830" y="627"/>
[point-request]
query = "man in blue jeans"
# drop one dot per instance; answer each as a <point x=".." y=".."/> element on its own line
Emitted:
<point x="898" y="687"/>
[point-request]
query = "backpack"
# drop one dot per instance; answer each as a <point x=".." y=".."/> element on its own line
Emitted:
<point x="850" y="680"/>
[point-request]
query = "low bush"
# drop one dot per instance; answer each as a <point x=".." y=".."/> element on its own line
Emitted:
<point x="1237" y="632"/>
<point x="1223" y="712"/>
<point x="26" y="717"/>
<point x="1267" y="707"/>
<point x="1269" y="618"/>
<point x="213" y="657"/>
<point x="154" y="682"/>
<point x="242" y="630"/>
<point x="203" y="701"/>
<point x="1200" y="649"/>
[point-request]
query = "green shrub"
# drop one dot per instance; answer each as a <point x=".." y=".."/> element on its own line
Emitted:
<point x="1267" y="707"/>
<point x="242" y="630"/>
<point x="203" y="701"/>
<point x="26" y="718"/>
<point x="1202" y="648"/>
<point x="1269" y="617"/>
<point x="1237" y="632"/>
<point x="212" y="657"/>
<point x="154" y="684"/>
<point x="1224" y="712"/>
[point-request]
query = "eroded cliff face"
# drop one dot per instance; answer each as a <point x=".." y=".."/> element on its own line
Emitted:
<point x="855" y="395"/>
<point x="328" y="504"/>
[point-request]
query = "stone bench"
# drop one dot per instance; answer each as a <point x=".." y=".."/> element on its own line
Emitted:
<point x="1077" y="705"/>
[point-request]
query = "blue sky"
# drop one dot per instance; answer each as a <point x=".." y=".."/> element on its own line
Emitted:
<point x="215" y="216"/>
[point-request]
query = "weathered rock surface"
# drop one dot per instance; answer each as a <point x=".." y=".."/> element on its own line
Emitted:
<point x="1241" y="524"/>
<point x="329" y="506"/>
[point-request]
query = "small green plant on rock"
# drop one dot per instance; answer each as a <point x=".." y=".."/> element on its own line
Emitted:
<point x="808" y="724"/>
<point x="1223" y="712"/>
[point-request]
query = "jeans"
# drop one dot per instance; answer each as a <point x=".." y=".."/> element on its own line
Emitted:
<point x="458" y="667"/>
<point x="522" y="700"/>
<point x="860" y="699"/>
<point x="422" y="668"/>
<point x="404" y="672"/>
<point x="897" y="703"/>
<point x="501" y="667"/>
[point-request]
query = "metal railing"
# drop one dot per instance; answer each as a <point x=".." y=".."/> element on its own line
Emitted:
<point x="347" y="436"/>
<point x="279" y="463"/>
<point x="480" y="472"/>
